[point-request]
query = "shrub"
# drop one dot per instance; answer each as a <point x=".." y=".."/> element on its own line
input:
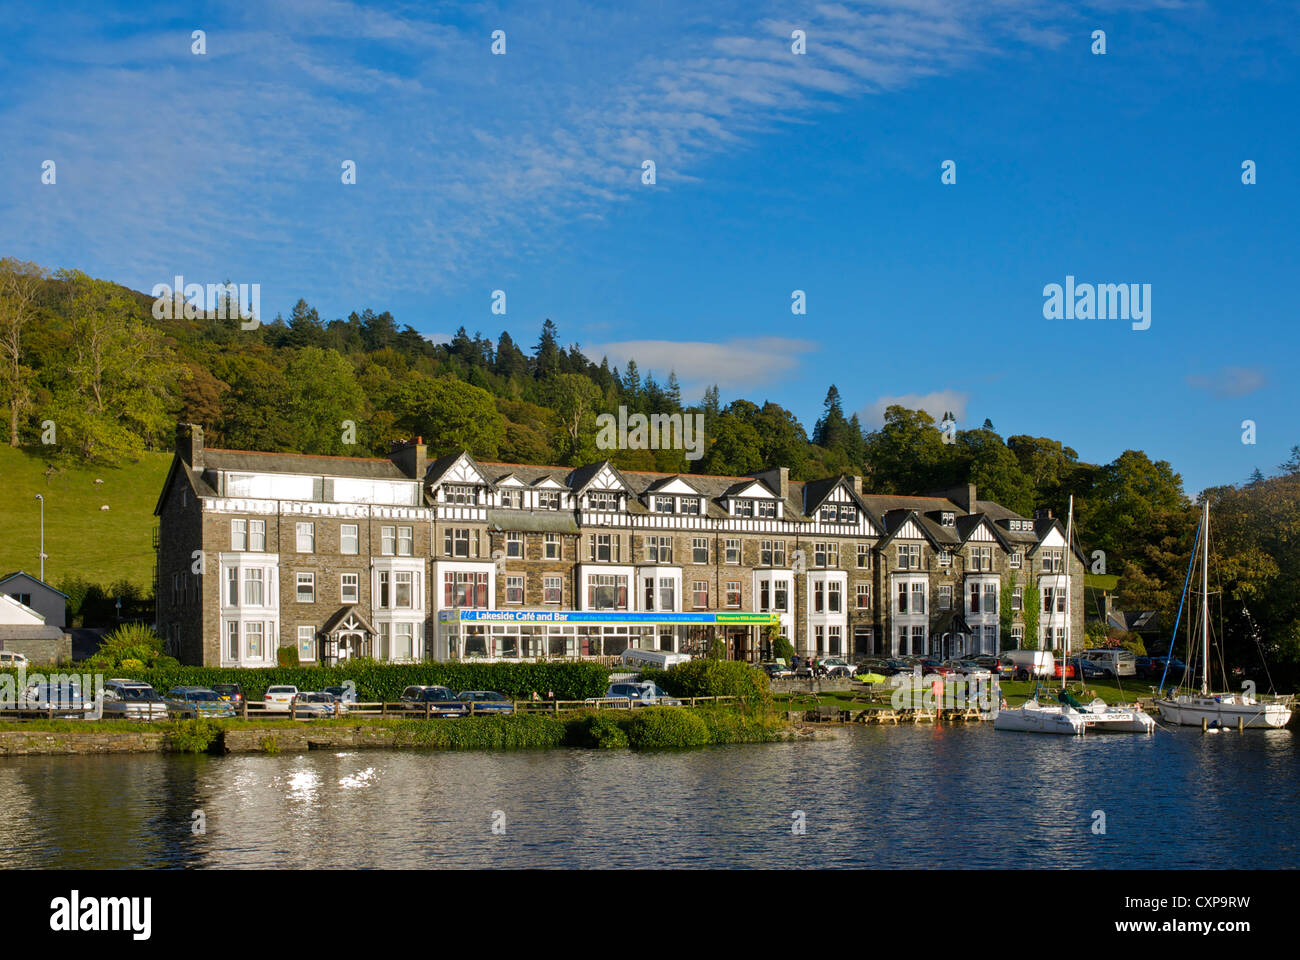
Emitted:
<point x="287" y="656"/>
<point x="715" y="678"/>
<point x="131" y="664"/>
<point x="782" y="649"/>
<point x="660" y="728"/>
<point x="602" y="730"/>
<point x="135" y="642"/>
<point x="513" y="732"/>
<point x="192" y="736"/>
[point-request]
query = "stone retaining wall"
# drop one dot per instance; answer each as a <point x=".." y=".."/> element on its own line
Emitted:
<point x="19" y="743"/>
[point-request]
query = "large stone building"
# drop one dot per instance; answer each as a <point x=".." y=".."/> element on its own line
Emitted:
<point x="403" y="558"/>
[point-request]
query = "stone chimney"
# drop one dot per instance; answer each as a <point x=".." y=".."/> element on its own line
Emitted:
<point x="411" y="457"/>
<point x="962" y="495"/>
<point x="1043" y="513"/>
<point x="189" y="444"/>
<point x="855" y="482"/>
<point x="778" y="478"/>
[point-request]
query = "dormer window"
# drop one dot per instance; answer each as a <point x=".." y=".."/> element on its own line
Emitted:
<point x="514" y="499"/>
<point x="765" y="508"/>
<point x="548" y="500"/>
<point x="602" y="500"/>
<point x="742" y="508"/>
<point x="690" y="505"/>
<point x="664" y="505"/>
<point x="456" y="493"/>
<point x="948" y="518"/>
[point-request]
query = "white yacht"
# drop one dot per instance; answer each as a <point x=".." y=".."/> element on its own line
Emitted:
<point x="1219" y="710"/>
<point x="1095" y="717"/>
<point x="1069" y="716"/>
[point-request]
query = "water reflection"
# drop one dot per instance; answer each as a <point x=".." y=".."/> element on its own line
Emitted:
<point x="886" y="797"/>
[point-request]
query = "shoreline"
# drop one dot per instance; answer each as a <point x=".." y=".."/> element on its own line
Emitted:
<point x="635" y="732"/>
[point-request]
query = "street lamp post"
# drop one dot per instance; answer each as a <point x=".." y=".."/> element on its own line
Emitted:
<point x="42" y="499"/>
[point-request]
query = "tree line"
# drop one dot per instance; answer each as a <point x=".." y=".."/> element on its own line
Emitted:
<point x="87" y="372"/>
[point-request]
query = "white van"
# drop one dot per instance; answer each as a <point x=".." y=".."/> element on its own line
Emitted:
<point x="1116" y="662"/>
<point x="10" y="659"/>
<point x="1039" y="663"/>
<point x="659" y="659"/>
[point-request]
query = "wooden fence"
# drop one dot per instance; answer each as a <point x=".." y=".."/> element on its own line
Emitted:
<point x="428" y="710"/>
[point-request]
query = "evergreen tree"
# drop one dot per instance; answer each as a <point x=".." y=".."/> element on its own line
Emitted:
<point x="546" y="356"/>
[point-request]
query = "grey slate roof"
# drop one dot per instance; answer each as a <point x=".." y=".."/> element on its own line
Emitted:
<point x="244" y="461"/>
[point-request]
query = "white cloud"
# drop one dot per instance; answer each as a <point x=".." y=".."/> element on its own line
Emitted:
<point x="732" y="364"/>
<point x="936" y="404"/>
<point x="1230" y="381"/>
<point x="461" y="157"/>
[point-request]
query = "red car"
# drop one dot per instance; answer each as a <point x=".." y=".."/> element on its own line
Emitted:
<point x="1070" y="672"/>
<point x="930" y="665"/>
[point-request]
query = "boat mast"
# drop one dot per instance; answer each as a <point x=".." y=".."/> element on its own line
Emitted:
<point x="1205" y="601"/>
<point x="1069" y="546"/>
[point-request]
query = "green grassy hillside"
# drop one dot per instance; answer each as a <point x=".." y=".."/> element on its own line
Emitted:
<point x="101" y="546"/>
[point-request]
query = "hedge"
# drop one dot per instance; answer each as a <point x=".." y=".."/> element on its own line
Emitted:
<point x="384" y="681"/>
<point x="715" y="678"/>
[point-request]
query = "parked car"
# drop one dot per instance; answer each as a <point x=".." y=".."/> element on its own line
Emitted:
<point x="1115" y="662"/>
<point x="834" y="667"/>
<point x="64" y="698"/>
<point x="1173" y="676"/>
<point x="346" y="696"/>
<point x="313" y="704"/>
<point x="440" y="700"/>
<point x="278" y="698"/>
<point x="229" y="691"/>
<point x="1068" y="666"/>
<point x="994" y="666"/>
<point x="930" y="665"/>
<point x="641" y="694"/>
<point x="1027" y="664"/>
<point x="197" y="702"/>
<point x="1088" y="669"/>
<point x="967" y="667"/>
<point x="8" y="658"/>
<point x="132" y="700"/>
<point x="775" y="671"/>
<point x="486" y="701"/>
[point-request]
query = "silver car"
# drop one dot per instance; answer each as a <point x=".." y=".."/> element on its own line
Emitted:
<point x="132" y="700"/>
<point x="312" y="704"/>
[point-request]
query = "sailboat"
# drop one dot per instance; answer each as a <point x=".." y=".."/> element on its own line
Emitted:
<point x="1069" y="716"/>
<point x="1217" y="711"/>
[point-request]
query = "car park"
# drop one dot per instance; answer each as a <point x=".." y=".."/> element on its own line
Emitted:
<point x="437" y="701"/>
<point x="486" y="701"/>
<point x="197" y="702"/>
<point x="132" y="700"/>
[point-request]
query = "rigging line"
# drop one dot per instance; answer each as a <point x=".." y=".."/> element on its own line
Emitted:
<point x="1181" y="601"/>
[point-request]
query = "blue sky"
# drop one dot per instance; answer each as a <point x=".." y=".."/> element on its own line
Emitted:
<point x="775" y="172"/>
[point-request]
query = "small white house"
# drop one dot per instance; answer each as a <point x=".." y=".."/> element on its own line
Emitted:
<point x="33" y="592"/>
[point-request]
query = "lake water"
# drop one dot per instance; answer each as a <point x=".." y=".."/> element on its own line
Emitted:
<point x="877" y="797"/>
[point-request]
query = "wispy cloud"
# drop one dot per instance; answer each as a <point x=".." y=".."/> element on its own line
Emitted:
<point x="732" y="364"/>
<point x="1230" y="381"/>
<point x="936" y="404"/>
<point x="224" y="163"/>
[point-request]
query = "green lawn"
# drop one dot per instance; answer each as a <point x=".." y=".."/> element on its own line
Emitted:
<point x="1014" y="692"/>
<point x="80" y="539"/>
